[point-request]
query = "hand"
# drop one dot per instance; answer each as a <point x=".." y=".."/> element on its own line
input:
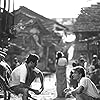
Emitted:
<point x="67" y="90"/>
<point x="73" y="93"/>
<point x="68" y="94"/>
<point x="42" y="88"/>
<point x="37" y="92"/>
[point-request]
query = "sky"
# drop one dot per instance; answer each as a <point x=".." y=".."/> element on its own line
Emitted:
<point x="54" y="8"/>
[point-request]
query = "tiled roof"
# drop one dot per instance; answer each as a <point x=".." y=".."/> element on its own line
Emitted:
<point x="46" y="22"/>
<point x="89" y="19"/>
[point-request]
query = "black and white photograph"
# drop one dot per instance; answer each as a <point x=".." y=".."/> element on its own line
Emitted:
<point x="49" y="49"/>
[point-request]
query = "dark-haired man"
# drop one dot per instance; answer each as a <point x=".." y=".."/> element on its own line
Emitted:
<point x="23" y="75"/>
<point x="86" y="89"/>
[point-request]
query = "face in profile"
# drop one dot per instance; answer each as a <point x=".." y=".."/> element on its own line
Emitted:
<point x="76" y="75"/>
<point x="32" y="64"/>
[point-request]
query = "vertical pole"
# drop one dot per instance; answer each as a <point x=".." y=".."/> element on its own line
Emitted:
<point x="13" y="14"/>
<point x="0" y="6"/>
<point x="47" y="54"/>
<point x="0" y="16"/>
<point x="4" y="5"/>
<point x="13" y="5"/>
<point x="8" y="5"/>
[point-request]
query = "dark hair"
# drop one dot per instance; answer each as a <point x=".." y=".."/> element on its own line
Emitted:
<point x="80" y="70"/>
<point x="74" y="64"/>
<point x="59" y="54"/>
<point x="32" y="57"/>
<point x="73" y="83"/>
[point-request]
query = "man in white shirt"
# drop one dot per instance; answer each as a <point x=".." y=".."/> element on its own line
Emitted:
<point x="86" y="89"/>
<point x="23" y="75"/>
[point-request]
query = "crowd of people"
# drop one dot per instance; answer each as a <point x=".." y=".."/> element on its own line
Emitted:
<point x="18" y="80"/>
<point x="84" y="79"/>
<point x="85" y="89"/>
<point x="92" y="69"/>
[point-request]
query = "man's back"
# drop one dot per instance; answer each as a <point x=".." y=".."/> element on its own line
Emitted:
<point x="18" y="75"/>
<point x="90" y="87"/>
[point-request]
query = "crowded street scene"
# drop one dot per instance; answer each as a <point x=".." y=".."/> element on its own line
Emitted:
<point x="50" y="50"/>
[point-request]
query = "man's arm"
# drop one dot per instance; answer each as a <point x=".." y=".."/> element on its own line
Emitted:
<point x="23" y="85"/>
<point x="40" y="75"/>
<point x="78" y="90"/>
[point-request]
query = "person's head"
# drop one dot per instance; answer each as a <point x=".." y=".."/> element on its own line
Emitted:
<point x="59" y="54"/>
<point x="81" y="56"/>
<point x="78" y="72"/>
<point x="15" y="60"/>
<point x="95" y="56"/>
<point x="82" y="60"/>
<point x="74" y="64"/>
<point x="94" y="59"/>
<point x="32" y="60"/>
